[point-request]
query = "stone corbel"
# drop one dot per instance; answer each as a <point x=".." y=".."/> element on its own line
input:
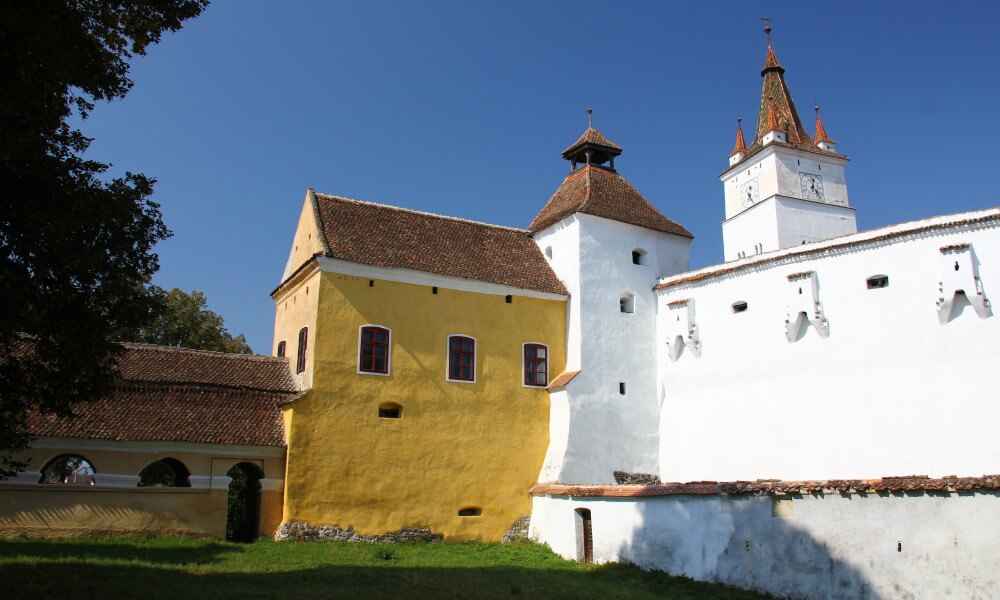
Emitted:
<point x="804" y="307"/>
<point x="681" y="329"/>
<point x="960" y="275"/>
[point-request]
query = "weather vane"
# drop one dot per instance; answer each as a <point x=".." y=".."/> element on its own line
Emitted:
<point x="590" y="118"/>
<point x="767" y="27"/>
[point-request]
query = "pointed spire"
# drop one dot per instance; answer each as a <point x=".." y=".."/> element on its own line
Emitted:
<point x="777" y="110"/>
<point x="821" y="135"/>
<point x="740" y="146"/>
<point x="592" y="148"/>
<point x="771" y="60"/>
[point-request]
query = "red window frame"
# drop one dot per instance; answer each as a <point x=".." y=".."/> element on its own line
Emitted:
<point x="373" y="354"/>
<point x="536" y="368"/>
<point x="300" y="358"/>
<point x="461" y="358"/>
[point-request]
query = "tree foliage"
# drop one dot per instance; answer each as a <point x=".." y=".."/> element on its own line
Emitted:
<point x="76" y="248"/>
<point x="185" y="321"/>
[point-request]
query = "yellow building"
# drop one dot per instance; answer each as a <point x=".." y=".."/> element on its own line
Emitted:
<point x="425" y="345"/>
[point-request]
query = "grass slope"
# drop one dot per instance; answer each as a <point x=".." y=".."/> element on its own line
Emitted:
<point x="151" y="567"/>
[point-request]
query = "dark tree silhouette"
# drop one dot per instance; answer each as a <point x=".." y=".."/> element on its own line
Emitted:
<point x="75" y="246"/>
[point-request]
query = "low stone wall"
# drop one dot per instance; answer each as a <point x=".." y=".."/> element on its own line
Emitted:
<point x="517" y="531"/>
<point x="308" y="532"/>
<point x="624" y="477"/>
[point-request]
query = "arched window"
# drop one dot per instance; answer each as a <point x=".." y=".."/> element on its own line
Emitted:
<point x="536" y="365"/>
<point x="281" y="349"/>
<point x="461" y="358"/>
<point x="69" y="469"/>
<point x="627" y="303"/>
<point x="166" y="472"/>
<point x="374" y="347"/>
<point x="300" y="358"/>
<point x="638" y="256"/>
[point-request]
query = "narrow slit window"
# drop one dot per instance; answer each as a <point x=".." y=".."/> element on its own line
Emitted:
<point x="300" y="358"/>
<point x="470" y="511"/>
<point x="390" y="410"/>
<point x="878" y="281"/>
<point x="536" y="365"/>
<point x="626" y="303"/>
<point x="373" y="356"/>
<point x="461" y="358"/>
<point x="508" y="299"/>
<point x="621" y="388"/>
<point x="739" y="307"/>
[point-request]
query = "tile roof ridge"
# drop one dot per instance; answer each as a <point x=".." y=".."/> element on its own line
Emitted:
<point x="416" y="212"/>
<point x="181" y="349"/>
<point x="144" y="384"/>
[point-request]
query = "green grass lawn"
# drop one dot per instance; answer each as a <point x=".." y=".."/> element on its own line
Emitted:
<point x="177" y="567"/>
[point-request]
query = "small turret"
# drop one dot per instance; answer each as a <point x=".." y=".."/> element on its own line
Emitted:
<point x="740" y="148"/>
<point x="823" y="141"/>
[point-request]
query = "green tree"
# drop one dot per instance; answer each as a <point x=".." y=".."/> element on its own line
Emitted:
<point x="76" y="247"/>
<point x="185" y="322"/>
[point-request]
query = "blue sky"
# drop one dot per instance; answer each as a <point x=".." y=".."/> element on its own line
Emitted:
<point x="462" y="108"/>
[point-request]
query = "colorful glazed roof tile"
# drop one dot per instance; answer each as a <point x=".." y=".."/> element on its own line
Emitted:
<point x="821" y="135"/>
<point x="178" y="395"/>
<point x="387" y="236"/>
<point x="602" y="192"/>
<point x="740" y="145"/>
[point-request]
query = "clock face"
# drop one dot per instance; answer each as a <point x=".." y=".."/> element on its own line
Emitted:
<point x="749" y="193"/>
<point x="812" y="186"/>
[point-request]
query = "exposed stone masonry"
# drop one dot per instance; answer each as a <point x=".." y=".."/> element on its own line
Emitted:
<point x="517" y="531"/>
<point x="623" y="477"/>
<point x="307" y="532"/>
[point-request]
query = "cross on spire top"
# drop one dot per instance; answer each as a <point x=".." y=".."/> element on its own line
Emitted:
<point x="767" y="27"/>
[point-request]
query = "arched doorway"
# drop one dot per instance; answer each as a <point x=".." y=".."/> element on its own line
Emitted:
<point x="243" y="512"/>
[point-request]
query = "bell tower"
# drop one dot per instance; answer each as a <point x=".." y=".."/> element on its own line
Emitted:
<point x="786" y="188"/>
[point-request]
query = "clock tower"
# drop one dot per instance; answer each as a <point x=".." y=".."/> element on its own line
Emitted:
<point x="786" y="188"/>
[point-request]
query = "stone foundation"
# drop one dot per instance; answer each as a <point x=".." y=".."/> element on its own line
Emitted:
<point x="623" y="477"/>
<point x="308" y="532"/>
<point x="517" y="531"/>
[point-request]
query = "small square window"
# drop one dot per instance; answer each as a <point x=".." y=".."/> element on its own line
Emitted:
<point x="390" y="411"/>
<point x="739" y="307"/>
<point x="878" y="281"/>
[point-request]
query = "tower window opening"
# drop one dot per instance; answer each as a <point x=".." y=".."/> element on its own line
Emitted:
<point x="739" y="307"/>
<point x="621" y="388"/>
<point x="548" y="252"/>
<point x="626" y="303"/>
<point x="878" y="281"/>
<point x="281" y="349"/>
<point x="300" y="358"/>
<point x="638" y="256"/>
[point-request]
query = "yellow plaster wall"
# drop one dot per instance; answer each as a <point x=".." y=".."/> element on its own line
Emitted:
<point x="59" y="509"/>
<point x="456" y="445"/>
<point x="295" y="308"/>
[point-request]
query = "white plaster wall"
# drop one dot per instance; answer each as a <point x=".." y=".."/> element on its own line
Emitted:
<point x="564" y="240"/>
<point x="823" y="546"/>
<point x="802" y="221"/>
<point x="789" y="163"/>
<point x="607" y="431"/>
<point x="760" y="167"/>
<point x="757" y="225"/>
<point x="890" y="391"/>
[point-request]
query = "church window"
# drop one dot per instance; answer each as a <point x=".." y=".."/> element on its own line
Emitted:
<point x="390" y="410"/>
<point x="166" y="472"/>
<point x="461" y="358"/>
<point x="300" y="358"/>
<point x="68" y="469"/>
<point x="626" y="303"/>
<point x="878" y="281"/>
<point x="281" y="349"/>
<point x="374" y="350"/>
<point x="638" y="256"/>
<point x="470" y="511"/>
<point x="739" y="307"/>
<point x="536" y="365"/>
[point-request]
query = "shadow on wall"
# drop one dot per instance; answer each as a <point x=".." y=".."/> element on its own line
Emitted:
<point x="744" y="541"/>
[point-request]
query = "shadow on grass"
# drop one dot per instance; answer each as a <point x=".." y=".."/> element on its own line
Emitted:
<point x="115" y="549"/>
<point x="83" y="580"/>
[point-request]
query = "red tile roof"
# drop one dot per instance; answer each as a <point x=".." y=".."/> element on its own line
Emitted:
<point x="777" y="110"/>
<point x="387" y="236"/>
<point x="910" y="483"/>
<point x="179" y="395"/>
<point x="593" y="137"/>
<point x="562" y="380"/>
<point x="740" y="145"/>
<point x="821" y="135"/>
<point x="602" y="192"/>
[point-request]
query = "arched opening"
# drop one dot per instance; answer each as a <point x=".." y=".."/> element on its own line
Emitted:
<point x="584" y="535"/>
<point x="166" y="472"/>
<point x="638" y="256"/>
<point x="68" y="469"/>
<point x="243" y="513"/>
<point x="390" y="410"/>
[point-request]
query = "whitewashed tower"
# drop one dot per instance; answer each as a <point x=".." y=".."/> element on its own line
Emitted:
<point x="786" y="188"/>
<point x="608" y="245"/>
